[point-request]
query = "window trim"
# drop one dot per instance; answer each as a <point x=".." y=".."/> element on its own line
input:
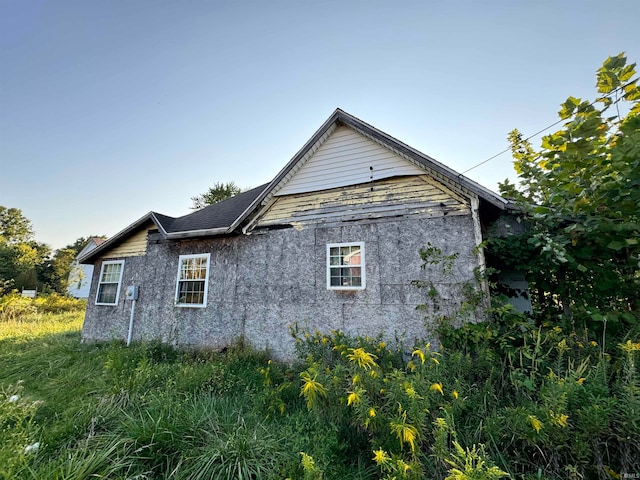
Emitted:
<point x="206" y="281"/>
<point x="362" y="266"/>
<point x="100" y="282"/>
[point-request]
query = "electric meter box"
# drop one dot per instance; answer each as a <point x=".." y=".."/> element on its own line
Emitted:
<point x="131" y="293"/>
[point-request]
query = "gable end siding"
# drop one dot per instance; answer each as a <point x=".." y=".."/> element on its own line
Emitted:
<point x="391" y="197"/>
<point x="347" y="158"/>
<point x="134" y="246"/>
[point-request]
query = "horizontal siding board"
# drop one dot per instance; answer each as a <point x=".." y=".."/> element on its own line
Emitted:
<point x="135" y="245"/>
<point x="350" y="217"/>
<point x="336" y="211"/>
<point x="347" y="158"/>
<point x="341" y="203"/>
<point x="389" y="197"/>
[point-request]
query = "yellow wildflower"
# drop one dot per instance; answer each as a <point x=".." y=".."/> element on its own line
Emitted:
<point x="435" y="360"/>
<point x="355" y="379"/>
<point x="373" y="374"/>
<point x="411" y="393"/>
<point x="562" y="345"/>
<point x="353" y="398"/>
<point x="580" y="381"/>
<point x="419" y="353"/>
<point x="559" y="419"/>
<point x="308" y="464"/>
<point x="380" y="457"/>
<point x="593" y="344"/>
<point x="404" y="466"/>
<point x="436" y="387"/>
<point x="382" y="345"/>
<point x="455" y="394"/>
<point x="406" y="433"/>
<point x="325" y="340"/>
<point x="411" y="366"/>
<point x="629" y="346"/>
<point x="372" y="412"/>
<point x="535" y="423"/>
<point x="362" y="358"/>
<point x="311" y="389"/>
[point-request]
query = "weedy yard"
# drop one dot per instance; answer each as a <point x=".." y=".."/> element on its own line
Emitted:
<point x="504" y="399"/>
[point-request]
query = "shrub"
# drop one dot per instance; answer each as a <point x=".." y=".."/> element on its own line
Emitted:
<point x="15" y="307"/>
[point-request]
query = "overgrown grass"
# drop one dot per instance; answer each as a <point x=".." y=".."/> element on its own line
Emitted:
<point x="147" y="411"/>
<point x="502" y="399"/>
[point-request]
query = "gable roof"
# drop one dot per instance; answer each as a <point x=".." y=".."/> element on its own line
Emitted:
<point x="340" y="117"/>
<point x="227" y="216"/>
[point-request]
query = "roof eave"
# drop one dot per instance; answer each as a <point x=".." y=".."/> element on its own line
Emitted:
<point x="206" y="232"/>
<point x="93" y="255"/>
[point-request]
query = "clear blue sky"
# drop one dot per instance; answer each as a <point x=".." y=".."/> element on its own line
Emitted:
<point x="110" y="109"/>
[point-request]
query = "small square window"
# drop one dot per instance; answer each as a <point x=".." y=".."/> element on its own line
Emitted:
<point x="193" y="280"/>
<point x="110" y="282"/>
<point x="345" y="266"/>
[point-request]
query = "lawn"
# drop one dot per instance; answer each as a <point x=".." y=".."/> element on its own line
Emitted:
<point x="107" y="411"/>
<point x="504" y="399"/>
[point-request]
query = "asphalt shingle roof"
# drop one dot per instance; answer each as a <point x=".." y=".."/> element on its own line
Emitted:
<point x="218" y="215"/>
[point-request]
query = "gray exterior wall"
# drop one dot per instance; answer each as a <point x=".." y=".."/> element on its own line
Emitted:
<point x="261" y="284"/>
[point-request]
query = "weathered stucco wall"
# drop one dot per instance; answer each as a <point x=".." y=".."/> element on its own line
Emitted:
<point x="261" y="284"/>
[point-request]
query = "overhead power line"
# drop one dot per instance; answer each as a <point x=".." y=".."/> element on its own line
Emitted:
<point x="621" y="87"/>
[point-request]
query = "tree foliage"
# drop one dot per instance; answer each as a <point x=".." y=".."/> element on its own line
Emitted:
<point x="28" y="264"/>
<point x="580" y="197"/>
<point x="14" y="226"/>
<point x="220" y="191"/>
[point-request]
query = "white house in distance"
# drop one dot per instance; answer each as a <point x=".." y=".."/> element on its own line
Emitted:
<point x="80" y="275"/>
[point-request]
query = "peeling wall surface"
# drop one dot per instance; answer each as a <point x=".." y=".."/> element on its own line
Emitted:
<point x="263" y="283"/>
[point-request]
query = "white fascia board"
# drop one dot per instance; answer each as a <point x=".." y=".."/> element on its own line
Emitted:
<point x="198" y="233"/>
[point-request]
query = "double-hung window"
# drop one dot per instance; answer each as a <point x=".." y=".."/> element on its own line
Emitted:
<point x="345" y="266"/>
<point x="193" y="280"/>
<point x="110" y="282"/>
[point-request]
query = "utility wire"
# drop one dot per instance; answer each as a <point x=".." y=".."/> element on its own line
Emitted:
<point x="621" y="87"/>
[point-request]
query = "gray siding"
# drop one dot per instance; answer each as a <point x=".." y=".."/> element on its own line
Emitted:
<point x="261" y="284"/>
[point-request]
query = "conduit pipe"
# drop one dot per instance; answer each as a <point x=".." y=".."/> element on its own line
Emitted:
<point x="133" y="307"/>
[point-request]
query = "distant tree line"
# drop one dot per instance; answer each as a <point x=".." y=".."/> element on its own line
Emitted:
<point x="28" y="264"/>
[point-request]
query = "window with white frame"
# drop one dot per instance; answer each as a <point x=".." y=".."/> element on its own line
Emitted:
<point x="109" y="282"/>
<point x="193" y="280"/>
<point x="345" y="266"/>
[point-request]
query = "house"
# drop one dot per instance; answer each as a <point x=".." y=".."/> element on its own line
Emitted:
<point x="331" y="243"/>
<point x="80" y="275"/>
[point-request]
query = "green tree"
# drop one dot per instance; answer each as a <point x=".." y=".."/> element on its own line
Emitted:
<point x="220" y="191"/>
<point x="14" y="226"/>
<point x="580" y="197"/>
<point x="20" y="255"/>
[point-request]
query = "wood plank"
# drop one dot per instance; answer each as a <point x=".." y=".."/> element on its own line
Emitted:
<point x="390" y="197"/>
